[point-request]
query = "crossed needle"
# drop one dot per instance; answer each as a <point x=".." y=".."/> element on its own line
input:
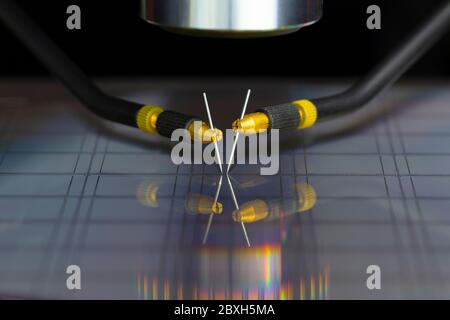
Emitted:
<point x="219" y="161"/>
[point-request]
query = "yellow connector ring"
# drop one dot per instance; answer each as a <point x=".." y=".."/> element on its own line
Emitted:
<point x="308" y="113"/>
<point x="146" y="118"/>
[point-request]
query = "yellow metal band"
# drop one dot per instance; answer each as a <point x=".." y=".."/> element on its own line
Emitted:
<point x="146" y="118"/>
<point x="308" y="113"/>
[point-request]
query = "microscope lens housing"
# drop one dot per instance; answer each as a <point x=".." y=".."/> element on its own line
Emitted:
<point x="232" y="18"/>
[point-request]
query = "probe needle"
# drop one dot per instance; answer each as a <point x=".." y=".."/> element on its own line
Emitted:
<point x="244" y="110"/>
<point x="211" y="126"/>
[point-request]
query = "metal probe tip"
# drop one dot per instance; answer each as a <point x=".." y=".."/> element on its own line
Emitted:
<point x="205" y="134"/>
<point x="252" y="123"/>
<point x="213" y="135"/>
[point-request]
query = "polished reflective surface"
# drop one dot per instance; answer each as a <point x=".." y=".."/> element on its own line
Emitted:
<point x="74" y="190"/>
<point x="232" y="17"/>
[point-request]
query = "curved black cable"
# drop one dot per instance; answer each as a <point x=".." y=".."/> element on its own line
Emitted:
<point x="389" y="70"/>
<point x="64" y="69"/>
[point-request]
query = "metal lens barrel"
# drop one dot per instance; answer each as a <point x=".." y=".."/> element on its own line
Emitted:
<point x="232" y="18"/>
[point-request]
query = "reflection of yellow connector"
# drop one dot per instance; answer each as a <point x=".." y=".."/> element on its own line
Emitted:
<point x="202" y="132"/>
<point x="258" y="210"/>
<point x="147" y="117"/>
<point x="252" y="211"/>
<point x="306" y="196"/>
<point x="252" y="123"/>
<point x="202" y="204"/>
<point x="147" y="194"/>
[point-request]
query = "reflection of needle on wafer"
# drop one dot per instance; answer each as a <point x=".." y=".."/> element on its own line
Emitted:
<point x="236" y="205"/>
<point x="244" y="110"/>
<point x="215" y="205"/>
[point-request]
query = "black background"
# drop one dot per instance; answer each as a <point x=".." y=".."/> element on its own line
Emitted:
<point x="115" y="41"/>
<point x="284" y="309"/>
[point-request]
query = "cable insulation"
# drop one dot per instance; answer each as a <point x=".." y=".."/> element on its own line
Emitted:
<point x="35" y="39"/>
<point x="389" y="70"/>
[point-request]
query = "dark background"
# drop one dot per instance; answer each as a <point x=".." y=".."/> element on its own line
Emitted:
<point x="115" y="41"/>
